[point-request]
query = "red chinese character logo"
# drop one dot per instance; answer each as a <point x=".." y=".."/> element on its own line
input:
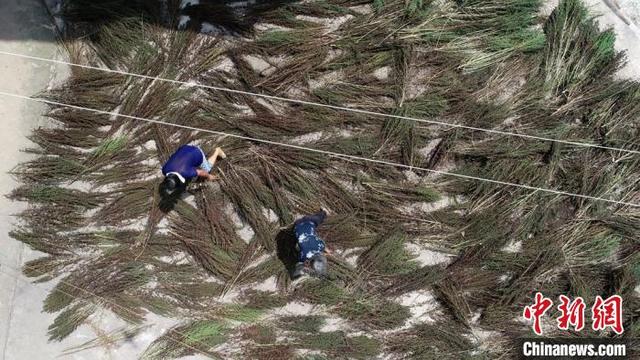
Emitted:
<point x="535" y="311"/>
<point x="607" y="313"/>
<point x="572" y="313"/>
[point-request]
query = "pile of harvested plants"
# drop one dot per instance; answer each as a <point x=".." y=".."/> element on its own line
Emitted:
<point x="104" y="232"/>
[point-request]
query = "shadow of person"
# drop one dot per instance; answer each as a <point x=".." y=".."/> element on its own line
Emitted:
<point x="286" y="249"/>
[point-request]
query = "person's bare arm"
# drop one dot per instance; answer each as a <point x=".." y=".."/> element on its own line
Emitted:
<point x="327" y="249"/>
<point x="205" y="175"/>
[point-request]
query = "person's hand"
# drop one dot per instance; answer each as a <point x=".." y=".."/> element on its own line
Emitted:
<point x="202" y="174"/>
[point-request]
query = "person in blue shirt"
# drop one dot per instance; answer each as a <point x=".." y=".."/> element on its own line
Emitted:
<point x="187" y="163"/>
<point x="311" y="248"/>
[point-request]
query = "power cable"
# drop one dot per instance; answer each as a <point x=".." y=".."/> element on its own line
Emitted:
<point x="328" y="106"/>
<point x="330" y="153"/>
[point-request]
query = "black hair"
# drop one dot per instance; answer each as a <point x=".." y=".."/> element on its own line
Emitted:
<point x="170" y="184"/>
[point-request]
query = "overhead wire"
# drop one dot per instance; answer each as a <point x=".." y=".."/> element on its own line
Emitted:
<point x="329" y="153"/>
<point x="325" y="152"/>
<point x="327" y="106"/>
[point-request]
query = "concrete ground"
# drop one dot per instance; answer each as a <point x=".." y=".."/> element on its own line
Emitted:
<point x="22" y="326"/>
<point x="25" y="28"/>
<point x="622" y="17"/>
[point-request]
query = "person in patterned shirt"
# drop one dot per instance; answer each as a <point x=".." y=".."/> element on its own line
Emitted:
<point x="311" y="248"/>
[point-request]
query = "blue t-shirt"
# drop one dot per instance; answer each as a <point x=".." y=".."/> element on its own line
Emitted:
<point x="185" y="161"/>
<point x="308" y="241"/>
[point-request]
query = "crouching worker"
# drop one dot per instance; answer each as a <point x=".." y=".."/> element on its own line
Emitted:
<point x="311" y="249"/>
<point x="187" y="163"/>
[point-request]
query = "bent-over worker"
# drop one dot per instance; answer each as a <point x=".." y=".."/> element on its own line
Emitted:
<point x="311" y="248"/>
<point x="187" y="163"/>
